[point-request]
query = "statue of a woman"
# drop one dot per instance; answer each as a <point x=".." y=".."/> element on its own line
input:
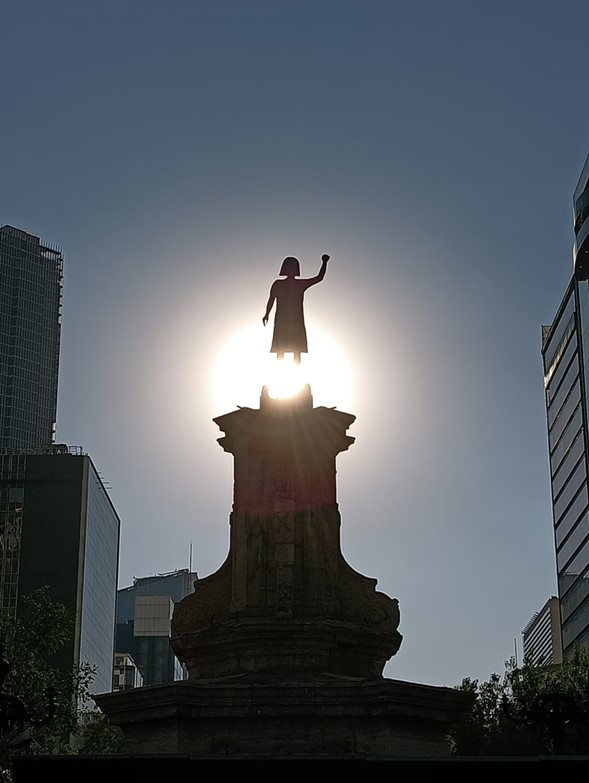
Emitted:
<point x="290" y="335"/>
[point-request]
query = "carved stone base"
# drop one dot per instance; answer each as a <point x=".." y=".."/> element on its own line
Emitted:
<point x="286" y="601"/>
<point x="255" y="645"/>
<point x="332" y="718"/>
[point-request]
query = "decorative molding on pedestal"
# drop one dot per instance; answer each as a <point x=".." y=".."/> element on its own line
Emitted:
<point x="285" y="600"/>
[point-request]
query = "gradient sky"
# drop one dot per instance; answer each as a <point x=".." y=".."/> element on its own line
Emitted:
<point x="177" y="151"/>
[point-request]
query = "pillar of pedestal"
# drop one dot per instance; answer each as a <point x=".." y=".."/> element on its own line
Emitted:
<point x="285" y="601"/>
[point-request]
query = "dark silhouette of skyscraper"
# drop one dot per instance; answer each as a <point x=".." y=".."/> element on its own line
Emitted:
<point x="31" y="274"/>
<point x="565" y="352"/>
<point x="58" y="527"/>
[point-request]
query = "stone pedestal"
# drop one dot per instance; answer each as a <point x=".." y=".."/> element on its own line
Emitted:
<point x="285" y="644"/>
<point x="332" y="718"/>
<point x="285" y="601"/>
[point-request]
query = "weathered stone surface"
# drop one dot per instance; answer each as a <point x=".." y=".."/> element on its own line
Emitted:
<point x="285" y="600"/>
<point x="332" y="718"/>
<point x="285" y="644"/>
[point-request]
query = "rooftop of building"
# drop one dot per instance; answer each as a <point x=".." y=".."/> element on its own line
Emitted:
<point x="18" y="233"/>
<point x="536" y="615"/>
<point x="53" y="449"/>
<point x="145" y="580"/>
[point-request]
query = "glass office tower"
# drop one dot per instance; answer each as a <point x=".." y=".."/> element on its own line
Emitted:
<point x="565" y="352"/>
<point x="59" y="528"/>
<point x="30" y="326"/>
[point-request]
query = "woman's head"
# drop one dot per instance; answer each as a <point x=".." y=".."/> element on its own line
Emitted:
<point x="290" y="267"/>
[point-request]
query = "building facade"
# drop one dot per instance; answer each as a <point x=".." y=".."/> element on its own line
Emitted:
<point x="126" y="673"/>
<point x="58" y="528"/>
<point x="31" y="273"/>
<point x="144" y="617"/>
<point x="581" y="224"/>
<point x="542" y="641"/>
<point x="565" y="353"/>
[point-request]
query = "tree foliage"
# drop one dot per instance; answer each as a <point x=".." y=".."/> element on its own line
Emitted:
<point x="528" y="711"/>
<point x="55" y="704"/>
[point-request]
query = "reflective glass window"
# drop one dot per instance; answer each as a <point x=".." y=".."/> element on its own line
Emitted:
<point x="576" y="538"/>
<point x="569" y="434"/>
<point x="582" y="640"/>
<point x="570" y="489"/>
<point x="576" y="624"/>
<point x="569" y="519"/>
<point x="578" y="564"/>
<point x="556" y="403"/>
<point x="565" y="415"/>
<point x="562" y="367"/>
<point x="575" y="453"/>
<point x="558" y="331"/>
<point x="578" y="590"/>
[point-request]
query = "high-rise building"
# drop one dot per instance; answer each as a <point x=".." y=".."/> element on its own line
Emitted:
<point x="30" y="327"/>
<point x="59" y="528"/>
<point x="565" y="352"/>
<point x="542" y="642"/>
<point x="144" y="616"/>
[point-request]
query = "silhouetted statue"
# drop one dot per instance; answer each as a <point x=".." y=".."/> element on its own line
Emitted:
<point x="290" y="335"/>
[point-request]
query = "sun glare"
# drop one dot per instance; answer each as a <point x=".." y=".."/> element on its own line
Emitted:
<point x="285" y="378"/>
<point x="244" y="365"/>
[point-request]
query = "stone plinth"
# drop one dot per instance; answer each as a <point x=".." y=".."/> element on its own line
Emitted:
<point x="285" y="600"/>
<point x="335" y="718"/>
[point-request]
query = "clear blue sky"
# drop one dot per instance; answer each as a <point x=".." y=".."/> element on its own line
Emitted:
<point x="178" y="150"/>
